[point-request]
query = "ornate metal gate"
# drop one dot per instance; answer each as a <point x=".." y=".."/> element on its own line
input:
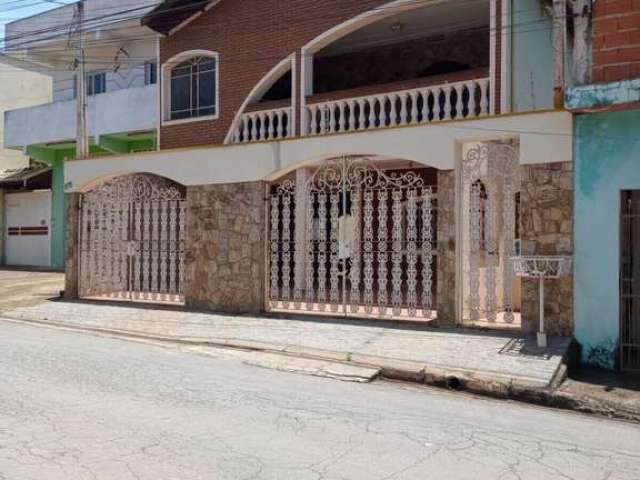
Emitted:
<point x="354" y="240"/>
<point x="132" y="234"/>
<point x="490" y="186"/>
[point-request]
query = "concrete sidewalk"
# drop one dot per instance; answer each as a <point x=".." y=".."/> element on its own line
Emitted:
<point x="494" y="362"/>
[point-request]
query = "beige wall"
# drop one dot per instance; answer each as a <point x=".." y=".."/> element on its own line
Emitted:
<point x="19" y="88"/>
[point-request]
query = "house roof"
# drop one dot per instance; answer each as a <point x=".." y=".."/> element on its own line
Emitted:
<point x="172" y="14"/>
<point x="36" y="177"/>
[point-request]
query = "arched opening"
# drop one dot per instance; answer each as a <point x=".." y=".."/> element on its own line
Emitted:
<point x="355" y="236"/>
<point x="490" y="215"/>
<point x="410" y="48"/>
<point x="132" y="237"/>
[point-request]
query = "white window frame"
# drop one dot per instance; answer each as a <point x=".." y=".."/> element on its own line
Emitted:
<point x="165" y="78"/>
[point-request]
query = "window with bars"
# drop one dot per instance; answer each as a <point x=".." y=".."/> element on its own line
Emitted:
<point x="194" y="88"/>
<point x="96" y="84"/>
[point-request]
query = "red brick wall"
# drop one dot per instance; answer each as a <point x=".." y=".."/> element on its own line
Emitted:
<point x="251" y="37"/>
<point x="616" y="40"/>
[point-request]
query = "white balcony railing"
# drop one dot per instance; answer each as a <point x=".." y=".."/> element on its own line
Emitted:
<point x="450" y="101"/>
<point x="126" y="110"/>
<point x="263" y="125"/>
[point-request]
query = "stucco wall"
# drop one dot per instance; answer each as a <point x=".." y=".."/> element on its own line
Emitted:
<point x="607" y="160"/>
<point x="19" y="88"/>
<point x="532" y="57"/>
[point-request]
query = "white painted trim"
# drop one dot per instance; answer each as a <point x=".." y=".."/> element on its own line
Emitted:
<point x="505" y="58"/>
<point x="544" y="136"/>
<point x="178" y="121"/>
<point x="295" y="94"/>
<point x="186" y="22"/>
<point x="260" y="89"/>
<point x="306" y="87"/>
<point x="492" y="56"/>
<point x="165" y="85"/>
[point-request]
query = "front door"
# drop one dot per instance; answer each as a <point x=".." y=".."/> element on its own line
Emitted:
<point x="630" y="281"/>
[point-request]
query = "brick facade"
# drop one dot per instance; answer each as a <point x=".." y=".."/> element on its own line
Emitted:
<point x="251" y="37"/>
<point x="616" y="40"/>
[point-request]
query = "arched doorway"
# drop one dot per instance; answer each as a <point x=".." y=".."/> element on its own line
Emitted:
<point x="132" y="236"/>
<point x="490" y="235"/>
<point x="354" y="238"/>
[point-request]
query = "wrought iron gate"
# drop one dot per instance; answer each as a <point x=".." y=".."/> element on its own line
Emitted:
<point x="354" y="240"/>
<point x="132" y="235"/>
<point x="490" y="186"/>
<point x="630" y="281"/>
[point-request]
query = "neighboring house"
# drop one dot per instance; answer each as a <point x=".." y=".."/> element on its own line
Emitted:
<point x="367" y="158"/>
<point x="25" y="192"/>
<point x="607" y="192"/>
<point x="121" y="73"/>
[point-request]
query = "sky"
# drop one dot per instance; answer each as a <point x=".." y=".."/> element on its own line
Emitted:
<point x="11" y="10"/>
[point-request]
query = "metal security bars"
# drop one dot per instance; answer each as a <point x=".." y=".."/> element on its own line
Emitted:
<point x="630" y="280"/>
<point x="132" y="236"/>
<point x="490" y="184"/>
<point x="353" y="239"/>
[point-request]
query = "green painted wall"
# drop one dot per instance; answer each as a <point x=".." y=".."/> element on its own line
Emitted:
<point x="532" y="56"/>
<point x="607" y="160"/>
<point x="58" y="214"/>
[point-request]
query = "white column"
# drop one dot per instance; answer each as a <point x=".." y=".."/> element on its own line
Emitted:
<point x="306" y="88"/>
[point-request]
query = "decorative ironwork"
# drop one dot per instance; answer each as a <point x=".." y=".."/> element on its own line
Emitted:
<point x="368" y="244"/>
<point x="132" y="240"/>
<point x="427" y="251"/>
<point x="490" y="238"/>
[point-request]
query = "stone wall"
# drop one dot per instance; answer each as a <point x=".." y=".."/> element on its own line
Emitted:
<point x="547" y="229"/>
<point x="72" y="248"/>
<point x="446" y="276"/>
<point x="225" y="247"/>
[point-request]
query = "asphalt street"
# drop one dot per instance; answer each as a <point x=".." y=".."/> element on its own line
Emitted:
<point x="76" y="406"/>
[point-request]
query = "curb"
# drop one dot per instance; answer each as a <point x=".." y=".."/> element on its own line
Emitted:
<point x="480" y="383"/>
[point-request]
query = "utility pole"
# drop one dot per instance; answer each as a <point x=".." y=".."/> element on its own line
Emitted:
<point x="82" y="141"/>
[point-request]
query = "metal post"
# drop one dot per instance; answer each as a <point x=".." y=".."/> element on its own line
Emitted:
<point x="542" y="336"/>
<point x="82" y="143"/>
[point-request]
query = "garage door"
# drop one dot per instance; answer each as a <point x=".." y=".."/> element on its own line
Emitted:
<point x="27" y="228"/>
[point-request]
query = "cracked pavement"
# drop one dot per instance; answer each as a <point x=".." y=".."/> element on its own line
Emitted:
<point x="76" y="407"/>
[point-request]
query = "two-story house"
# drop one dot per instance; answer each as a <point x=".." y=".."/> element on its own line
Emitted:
<point x="370" y="158"/>
<point x="121" y="64"/>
